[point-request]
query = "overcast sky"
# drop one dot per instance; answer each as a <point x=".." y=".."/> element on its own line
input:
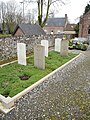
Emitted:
<point x="74" y="9"/>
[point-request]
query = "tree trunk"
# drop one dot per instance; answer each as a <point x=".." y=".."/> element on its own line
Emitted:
<point x="45" y="19"/>
<point x="40" y="12"/>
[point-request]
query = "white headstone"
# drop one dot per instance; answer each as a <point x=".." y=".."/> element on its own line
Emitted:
<point x="57" y="44"/>
<point x="21" y="53"/>
<point x="45" y="44"/>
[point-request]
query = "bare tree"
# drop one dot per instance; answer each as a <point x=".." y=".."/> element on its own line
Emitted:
<point x="13" y="16"/>
<point x="33" y="19"/>
<point x="44" y="7"/>
<point x="47" y="5"/>
<point x="18" y="18"/>
<point x="10" y="16"/>
<point x="28" y="16"/>
<point x="3" y="13"/>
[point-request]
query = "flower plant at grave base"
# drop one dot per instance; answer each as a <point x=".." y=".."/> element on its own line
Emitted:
<point x="10" y="82"/>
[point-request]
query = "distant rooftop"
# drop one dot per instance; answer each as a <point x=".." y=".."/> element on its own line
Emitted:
<point x="55" y="22"/>
<point x="30" y="29"/>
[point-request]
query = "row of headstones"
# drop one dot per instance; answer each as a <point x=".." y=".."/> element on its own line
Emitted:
<point x="40" y="51"/>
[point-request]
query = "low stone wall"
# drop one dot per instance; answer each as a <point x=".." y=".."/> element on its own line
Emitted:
<point x="8" y="46"/>
<point x="37" y="104"/>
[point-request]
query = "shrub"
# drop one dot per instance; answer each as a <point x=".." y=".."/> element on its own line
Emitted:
<point x="84" y="47"/>
<point x="74" y="46"/>
<point x="70" y="42"/>
<point x="71" y="47"/>
<point x="79" y="45"/>
<point x="86" y="42"/>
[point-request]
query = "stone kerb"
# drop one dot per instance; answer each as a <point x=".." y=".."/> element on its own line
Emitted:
<point x="6" y="102"/>
<point x="21" y="53"/>
<point x="45" y="43"/>
<point x="39" y="56"/>
<point x="58" y="44"/>
<point x="64" y="48"/>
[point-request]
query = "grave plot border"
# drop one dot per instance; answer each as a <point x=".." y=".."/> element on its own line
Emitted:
<point x="7" y="104"/>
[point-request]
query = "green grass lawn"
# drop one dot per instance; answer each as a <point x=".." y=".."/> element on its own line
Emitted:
<point x="10" y="83"/>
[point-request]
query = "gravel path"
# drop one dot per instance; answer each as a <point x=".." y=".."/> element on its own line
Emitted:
<point x="67" y="98"/>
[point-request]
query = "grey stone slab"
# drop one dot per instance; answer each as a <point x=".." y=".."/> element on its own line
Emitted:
<point x="39" y="56"/>
<point x="64" y="48"/>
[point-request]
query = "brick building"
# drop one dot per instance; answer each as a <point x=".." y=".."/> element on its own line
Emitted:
<point x="69" y="29"/>
<point x="56" y="25"/>
<point x="84" y="25"/>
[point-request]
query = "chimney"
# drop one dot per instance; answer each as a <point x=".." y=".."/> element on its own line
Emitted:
<point x="66" y="16"/>
<point x="66" y="20"/>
